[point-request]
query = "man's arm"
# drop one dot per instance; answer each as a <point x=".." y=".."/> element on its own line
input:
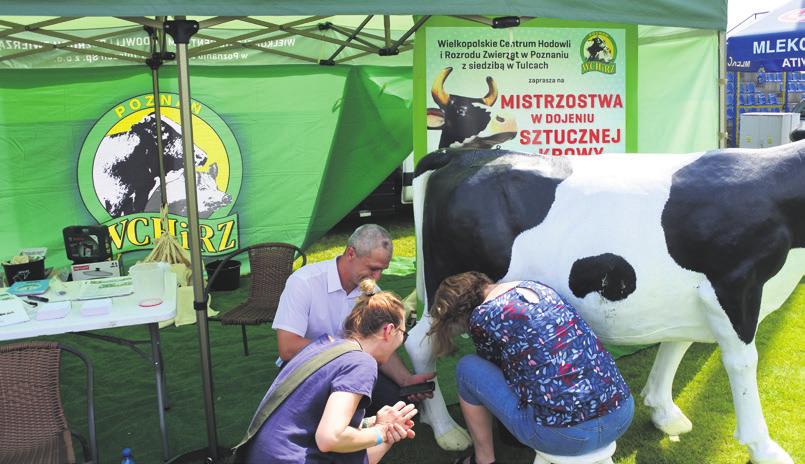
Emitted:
<point x="288" y="344"/>
<point x="291" y="320"/>
<point x="396" y="371"/>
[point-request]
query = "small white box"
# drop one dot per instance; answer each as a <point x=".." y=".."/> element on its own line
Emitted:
<point x="96" y="270"/>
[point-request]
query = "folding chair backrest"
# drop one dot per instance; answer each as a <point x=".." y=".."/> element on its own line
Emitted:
<point x="32" y="424"/>
<point x="271" y="265"/>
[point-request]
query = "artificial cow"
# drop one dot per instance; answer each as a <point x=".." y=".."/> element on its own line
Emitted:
<point x="649" y="248"/>
<point x="468" y="122"/>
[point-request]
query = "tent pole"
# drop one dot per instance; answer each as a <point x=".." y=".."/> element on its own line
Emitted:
<point x="181" y="30"/>
<point x="154" y="63"/>
<point x="722" y="90"/>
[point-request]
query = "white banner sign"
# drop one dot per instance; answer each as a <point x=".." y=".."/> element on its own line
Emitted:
<point x="553" y="91"/>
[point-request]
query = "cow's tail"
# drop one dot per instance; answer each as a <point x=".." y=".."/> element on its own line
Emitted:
<point x="422" y="173"/>
<point x="432" y="161"/>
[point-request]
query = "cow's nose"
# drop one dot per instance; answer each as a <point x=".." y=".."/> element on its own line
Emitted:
<point x="227" y="198"/>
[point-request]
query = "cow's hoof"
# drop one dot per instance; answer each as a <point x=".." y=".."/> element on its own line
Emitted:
<point x="671" y="421"/>
<point x="455" y="439"/>
<point x="769" y="453"/>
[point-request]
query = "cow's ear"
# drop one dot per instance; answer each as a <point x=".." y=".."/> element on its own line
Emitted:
<point x="435" y="118"/>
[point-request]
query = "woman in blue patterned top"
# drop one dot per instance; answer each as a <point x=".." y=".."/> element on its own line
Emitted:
<point x="540" y="369"/>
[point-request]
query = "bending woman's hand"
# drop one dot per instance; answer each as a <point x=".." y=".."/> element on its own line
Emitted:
<point x="395" y="432"/>
<point x="400" y="413"/>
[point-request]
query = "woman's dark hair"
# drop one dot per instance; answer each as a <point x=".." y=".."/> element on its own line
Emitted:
<point x="452" y="305"/>
<point x="373" y="310"/>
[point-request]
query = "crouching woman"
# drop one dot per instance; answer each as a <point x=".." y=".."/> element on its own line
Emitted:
<point x="331" y="380"/>
<point x="539" y="368"/>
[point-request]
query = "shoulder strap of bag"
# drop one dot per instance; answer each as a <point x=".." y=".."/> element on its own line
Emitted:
<point x="290" y="384"/>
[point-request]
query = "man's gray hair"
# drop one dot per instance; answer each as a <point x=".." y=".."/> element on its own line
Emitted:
<point x="369" y="237"/>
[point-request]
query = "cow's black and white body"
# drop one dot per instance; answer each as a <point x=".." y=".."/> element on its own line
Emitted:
<point x="649" y="248"/>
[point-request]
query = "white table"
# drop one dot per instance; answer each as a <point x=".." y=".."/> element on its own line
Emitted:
<point x="125" y="312"/>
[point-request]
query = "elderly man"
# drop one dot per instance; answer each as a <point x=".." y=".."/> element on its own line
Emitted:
<point x="318" y="297"/>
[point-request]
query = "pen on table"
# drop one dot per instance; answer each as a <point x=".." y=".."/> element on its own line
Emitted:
<point x="38" y="298"/>
<point x="32" y="303"/>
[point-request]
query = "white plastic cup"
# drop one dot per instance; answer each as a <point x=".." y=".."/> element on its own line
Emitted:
<point x="149" y="283"/>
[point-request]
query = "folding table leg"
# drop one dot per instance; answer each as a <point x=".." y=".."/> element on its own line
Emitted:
<point x="156" y="355"/>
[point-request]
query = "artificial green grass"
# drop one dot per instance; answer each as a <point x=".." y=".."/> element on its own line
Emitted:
<point x="127" y="409"/>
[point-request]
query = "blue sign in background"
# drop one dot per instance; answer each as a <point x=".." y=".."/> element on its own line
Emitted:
<point x="775" y="43"/>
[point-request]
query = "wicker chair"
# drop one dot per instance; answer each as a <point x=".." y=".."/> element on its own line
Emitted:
<point x="33" y="428"/>
<point x="271" y="265"/>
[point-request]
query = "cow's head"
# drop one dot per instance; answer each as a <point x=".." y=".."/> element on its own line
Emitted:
<point x="466" y="121"/>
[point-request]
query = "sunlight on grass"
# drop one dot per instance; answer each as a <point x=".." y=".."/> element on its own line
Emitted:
<point x="332" y="245"/>
<point x="782" y="376"/>
<point x="702" y="391"/>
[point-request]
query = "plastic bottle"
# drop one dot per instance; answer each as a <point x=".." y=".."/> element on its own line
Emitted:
<point x="127" y="457"/>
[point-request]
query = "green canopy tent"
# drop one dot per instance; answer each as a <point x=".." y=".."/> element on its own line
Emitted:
<point x="682" y="65"/>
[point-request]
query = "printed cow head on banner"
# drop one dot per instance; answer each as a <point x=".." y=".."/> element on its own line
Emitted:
<point x="468" y="122"/>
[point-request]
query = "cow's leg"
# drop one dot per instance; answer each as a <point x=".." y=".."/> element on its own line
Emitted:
<point x="740" y="361"/>
<point x="665" y="415"/>
<point x="449" y="435"/>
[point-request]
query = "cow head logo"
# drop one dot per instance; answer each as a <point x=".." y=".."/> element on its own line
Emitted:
<point x="119" y="168"/>
<point x="468" y="122"/>
<point x="598" y="52"/>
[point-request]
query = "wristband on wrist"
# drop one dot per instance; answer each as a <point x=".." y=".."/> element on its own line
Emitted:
<point x="379" y="436"/>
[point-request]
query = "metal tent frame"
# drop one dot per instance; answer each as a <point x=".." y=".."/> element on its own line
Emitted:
<point x="181" y="30"/>
<point x="313" y="27"/>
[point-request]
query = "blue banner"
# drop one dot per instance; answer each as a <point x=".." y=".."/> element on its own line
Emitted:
<point x="774" y="43"/>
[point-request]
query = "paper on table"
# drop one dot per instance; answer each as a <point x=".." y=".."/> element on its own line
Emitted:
<point x="97" y="307"/>
<point x="105" y="288"/>
<point x="55" y="310"/>
<point x="11" y="310"/>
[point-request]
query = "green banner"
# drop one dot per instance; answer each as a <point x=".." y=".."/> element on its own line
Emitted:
<point x="281" y="152"/>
